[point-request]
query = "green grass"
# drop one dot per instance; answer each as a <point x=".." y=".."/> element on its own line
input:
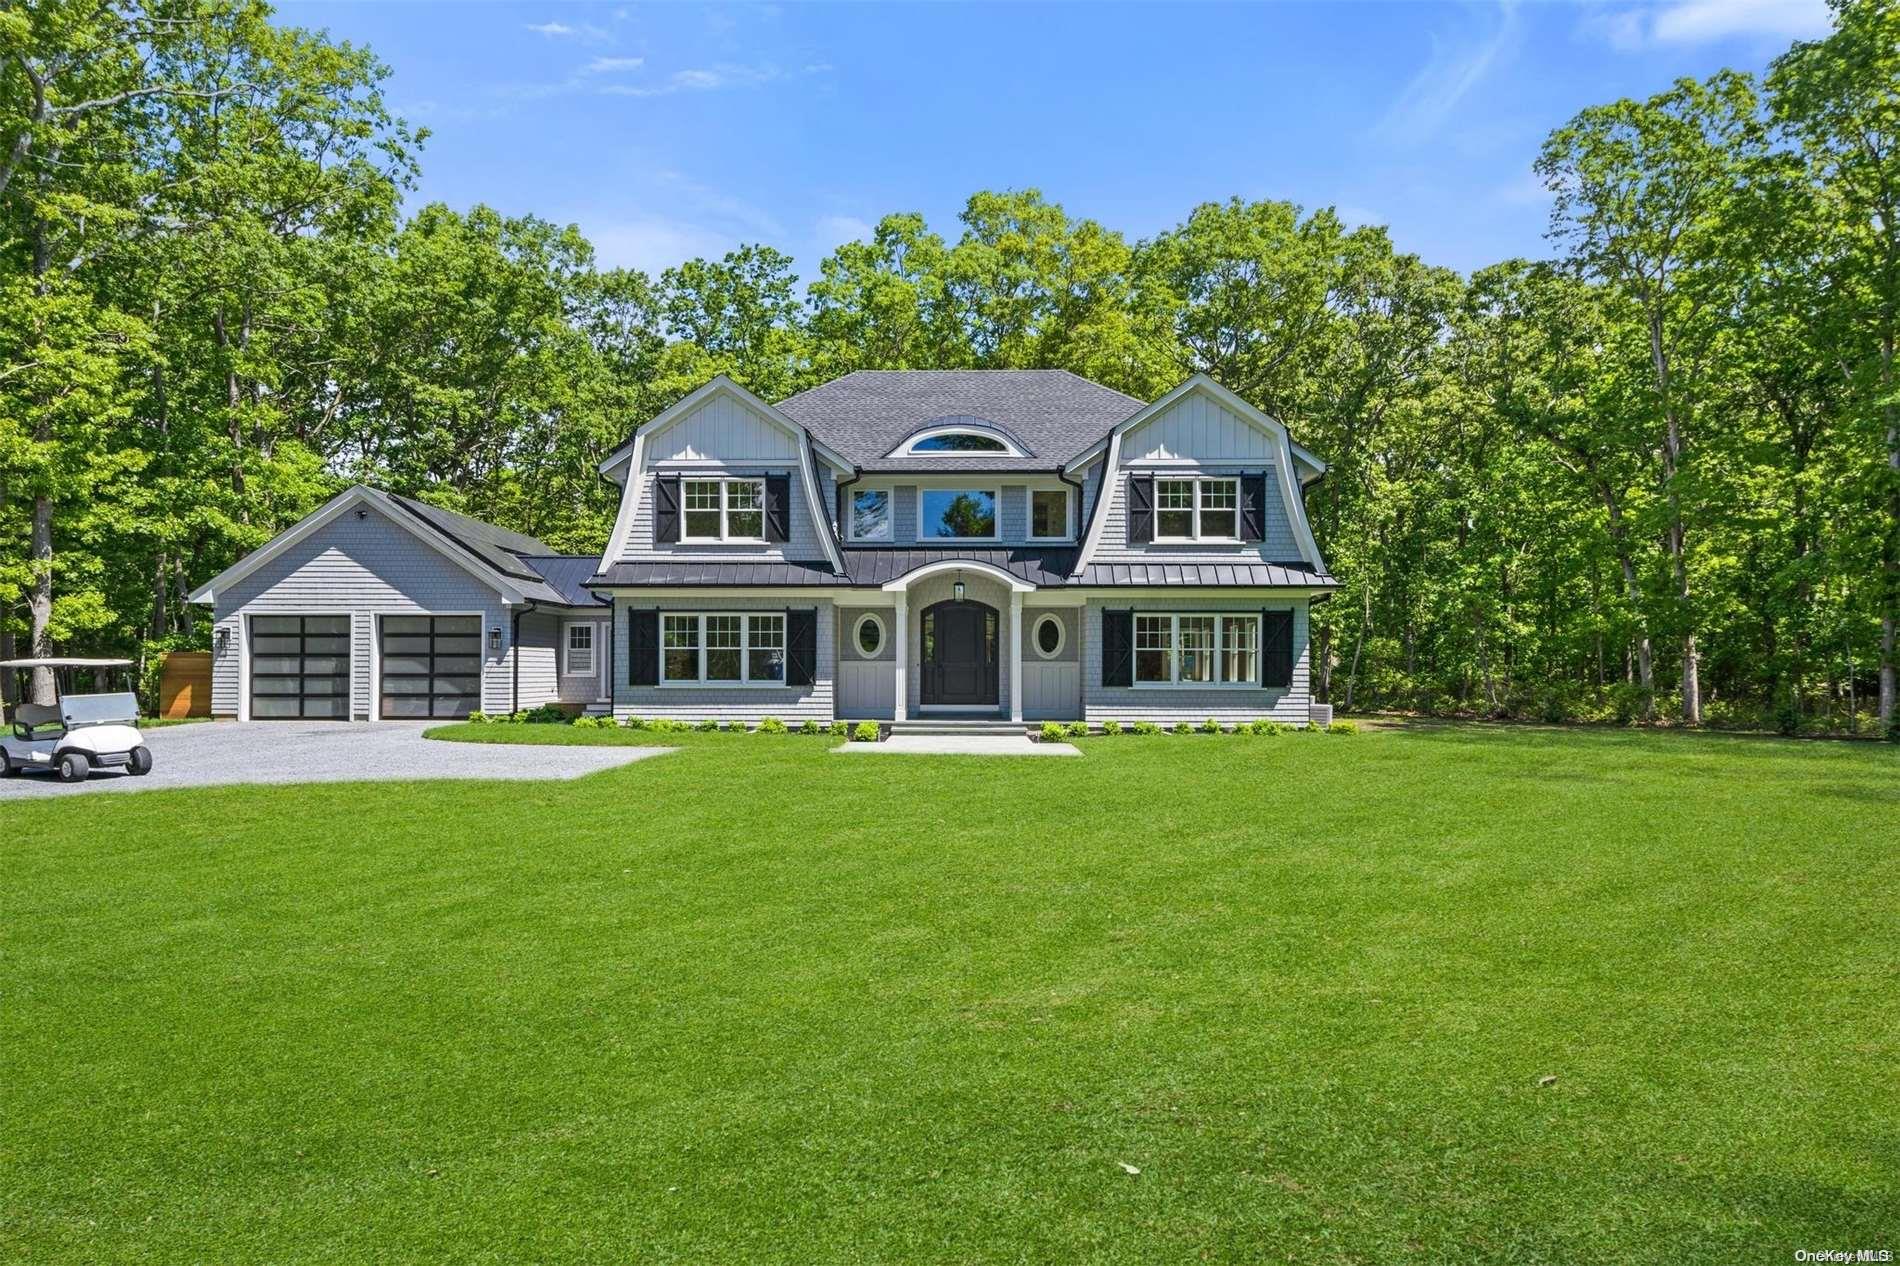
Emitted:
<point x="754" y="1001"/>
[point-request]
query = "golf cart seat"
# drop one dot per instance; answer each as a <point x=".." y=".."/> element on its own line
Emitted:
<point x="30" y="717"/>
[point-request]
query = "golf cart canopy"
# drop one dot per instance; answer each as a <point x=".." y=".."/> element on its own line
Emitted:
<point x="115" y="707"/>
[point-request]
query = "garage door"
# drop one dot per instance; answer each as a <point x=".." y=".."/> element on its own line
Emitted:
<point x="432" y="666"/>
<point x="300" y="667"/>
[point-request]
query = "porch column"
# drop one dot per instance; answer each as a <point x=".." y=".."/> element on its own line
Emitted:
<point x="1016" y="655"/>
<point x="902" y="633"/>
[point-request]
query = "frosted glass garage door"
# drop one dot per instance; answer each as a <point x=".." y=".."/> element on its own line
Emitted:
<point x="432" y="666"/>
<point x="300" y="667"/>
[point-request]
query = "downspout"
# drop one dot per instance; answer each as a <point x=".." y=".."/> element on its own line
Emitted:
<point x="514" y="654"/>
<point x="838" y="529"/>
<point x="1080" y="518"/>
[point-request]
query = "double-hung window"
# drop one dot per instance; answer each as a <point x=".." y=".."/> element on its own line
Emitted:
<point x="1194" y="649"/>
<point x="580" y="650"/>
<point x="1197" y="509"/>
<point x="723" y="509"/>
<point x="723" y="649"/>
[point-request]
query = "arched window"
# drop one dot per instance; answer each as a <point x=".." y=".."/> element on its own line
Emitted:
<point x="960" y="436"/>
<point x="959" y="442"/>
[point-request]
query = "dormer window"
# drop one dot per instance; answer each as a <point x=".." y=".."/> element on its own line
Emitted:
<point x="724" y="509"/>
<point x="960" y="437"/>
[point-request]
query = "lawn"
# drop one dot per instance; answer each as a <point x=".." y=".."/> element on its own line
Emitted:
<point x="753" y="1001"/>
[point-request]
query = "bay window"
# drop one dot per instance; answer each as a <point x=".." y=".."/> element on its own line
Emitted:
<point x="1195" y="649"/>
<point x="723" y="649"/>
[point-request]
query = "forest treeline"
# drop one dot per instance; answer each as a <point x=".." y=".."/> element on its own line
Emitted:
<point x="1653" y="475"/>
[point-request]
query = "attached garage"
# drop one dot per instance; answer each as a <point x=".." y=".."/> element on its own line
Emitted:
<point x="431" y="667"/>
<point x="300" y="667"/>
<point x="376" y="607"/>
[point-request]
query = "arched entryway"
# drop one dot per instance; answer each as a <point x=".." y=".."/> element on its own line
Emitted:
<point x="958" y="654"/>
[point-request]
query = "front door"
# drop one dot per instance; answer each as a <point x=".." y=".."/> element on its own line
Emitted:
<point x="959" y="654"/>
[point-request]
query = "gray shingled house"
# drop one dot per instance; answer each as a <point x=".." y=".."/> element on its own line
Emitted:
<point x="1001" y="545"/>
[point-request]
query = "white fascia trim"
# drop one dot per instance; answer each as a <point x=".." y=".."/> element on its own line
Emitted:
<point x="832" y="457"/>
<point x="350" y="497"/>
<point x="1014" y="583"/>
<point x="630" y="494"/>
<point x="821" y="521"/>
<point x="729" y="593"/>
<point x="1098" y="515"/>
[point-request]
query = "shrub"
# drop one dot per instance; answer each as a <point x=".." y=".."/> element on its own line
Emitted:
<point x="1111" y="728"/>
<point x="1266" y="726"/>
<point x="707" y="726"/>
<point x="771" y="725"/>
<point x="735" y="727"/>
<point x="1052" y="732"/>
<point x="478" y="718"/>
<point x="1344" y="727"/>
<point x="635" y="723"/>
<point x="841" y="729"/>
<point x="1146" y="727"/>
<point x="517" y="718"/>
<point x="1210" y="726"/>
<point x="866" y="732"/>
<point x="1182" y="727"/>
<point x="582" y="723"/>
<point x="811" y="727"/>
<point x="1076" y="729"/>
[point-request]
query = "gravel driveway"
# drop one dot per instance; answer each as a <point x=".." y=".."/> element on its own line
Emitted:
<point x="217" y="753"/>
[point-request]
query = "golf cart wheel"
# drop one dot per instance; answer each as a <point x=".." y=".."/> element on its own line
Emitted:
<point x="73" y="767"/>
<point x="141" y="761"/>
<point x="7" y="769"/>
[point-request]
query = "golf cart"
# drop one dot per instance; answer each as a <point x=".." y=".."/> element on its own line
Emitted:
<point x="91" y="726"/>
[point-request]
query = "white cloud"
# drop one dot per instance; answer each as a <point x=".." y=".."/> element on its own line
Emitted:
<point x="833" y="231"/>
<point x="553" y="30"/>
<point x="561" y="30"/>
<point x="698" y="79"/>
<point x="1691" y="22"/>
<point x="1454" y="69"/>
<point x="1528" y="190"/>
<point x="612" y="65"/>
<point x="654" y="243"/>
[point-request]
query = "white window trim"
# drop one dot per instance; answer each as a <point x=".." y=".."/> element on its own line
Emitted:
<point x="851" y="517"/>
<point x="567" y="649"/>
<point x="1068" y="514"/>
<point x="725" y="536"/>
<point x="745" y="681"/>
<point x="1174" y="681"/>
<point x="1197" y="538"/>
<point x="1035" y="629"/>
<point x="996" y="504"/>
<point x="857" y="628"/>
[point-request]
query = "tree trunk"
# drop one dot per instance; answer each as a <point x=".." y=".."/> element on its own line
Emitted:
<point x="1645" y="656"/>
<point x="187" y="620"/>
<point x="1677" y="537"/>
<point x="1365" y="619"/>
<point x="1890" y="548"/>
<point x="39" y="598"/>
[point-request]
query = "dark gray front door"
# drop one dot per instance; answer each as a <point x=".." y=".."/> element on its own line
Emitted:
<point x="959" y="654"/>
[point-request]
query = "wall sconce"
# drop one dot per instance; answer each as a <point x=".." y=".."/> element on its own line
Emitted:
<point x="221" y="640"/>
<point x="957" y="590"/>
<point x="494" y="637"/>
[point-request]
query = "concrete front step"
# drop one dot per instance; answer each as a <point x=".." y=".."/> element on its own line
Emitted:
<point x="939" y="726"/>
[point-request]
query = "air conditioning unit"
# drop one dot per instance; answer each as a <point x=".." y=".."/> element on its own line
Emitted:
<point x="1320" y="714"/>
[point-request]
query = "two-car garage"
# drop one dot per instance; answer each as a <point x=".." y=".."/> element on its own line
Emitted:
<point x="428" y="667"/>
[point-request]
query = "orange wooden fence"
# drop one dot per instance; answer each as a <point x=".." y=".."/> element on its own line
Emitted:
<point x="184" y="684"/>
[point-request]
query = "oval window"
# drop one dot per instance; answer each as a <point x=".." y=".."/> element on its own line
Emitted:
<point x="1048" y="635"/>
<point x="870" y="636"/>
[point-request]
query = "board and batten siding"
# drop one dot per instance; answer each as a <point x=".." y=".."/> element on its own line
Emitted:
<point x="1052" y="688"/>
<point x="727" y="703"/>
<point x="1169" y="704"/>
<point x="1198" y="428"/>
<point x="867" y="684"/>
<point x="723" y="437"/>
<point x="364" y="568"/>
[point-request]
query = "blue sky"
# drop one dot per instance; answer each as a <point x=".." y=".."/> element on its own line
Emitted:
<point x="667" y="131"/>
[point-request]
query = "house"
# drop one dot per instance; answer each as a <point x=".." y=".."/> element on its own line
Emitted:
<point x="1008" y="545"/>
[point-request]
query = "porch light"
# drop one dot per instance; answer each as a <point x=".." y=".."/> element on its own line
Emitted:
<point x="221" y="640"/>
<point x="494" y="637"/>
<point x="957" y="590"/>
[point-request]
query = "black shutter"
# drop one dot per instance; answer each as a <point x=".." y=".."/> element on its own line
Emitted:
<point x="666" y="509"/>
<point x="1276" y="648"/>
<point x="778" y="519"/>
<point x="1118" y="648"/>
<point x="801" y="647"/>
<point x="1253" y="507"/>
<point x="643" y="648"/>
<point x="1141" y="509"/>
